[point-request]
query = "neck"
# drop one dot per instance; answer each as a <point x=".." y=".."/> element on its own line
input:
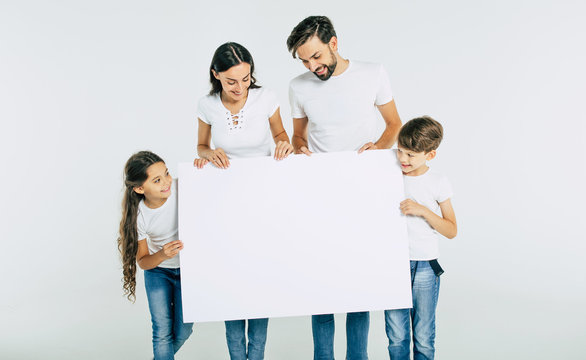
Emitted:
<point x="154" y="203"/>
<point x="420" y="171"/>
<point x="342" y="65"/>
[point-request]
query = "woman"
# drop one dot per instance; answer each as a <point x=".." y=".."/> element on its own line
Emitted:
<point x="240" y="117"/>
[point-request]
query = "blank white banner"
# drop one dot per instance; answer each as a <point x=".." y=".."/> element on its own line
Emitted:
<point x="301" y="236"/>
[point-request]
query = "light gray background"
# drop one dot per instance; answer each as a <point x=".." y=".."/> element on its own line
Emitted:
<point x="83" y="85"/>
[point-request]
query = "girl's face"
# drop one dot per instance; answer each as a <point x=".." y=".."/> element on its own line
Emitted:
<point x="235" y="81"/>
<point x="157" y="187"/>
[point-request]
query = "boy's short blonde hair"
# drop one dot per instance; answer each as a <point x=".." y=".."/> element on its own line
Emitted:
<point x="422" y="134"/>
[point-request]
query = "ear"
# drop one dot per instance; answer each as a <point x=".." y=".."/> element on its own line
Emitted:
<point x="430" y="155"/>
<point x="333" y="44"/>
<point x="215" y="74"/>
<point x="138" y="190"/>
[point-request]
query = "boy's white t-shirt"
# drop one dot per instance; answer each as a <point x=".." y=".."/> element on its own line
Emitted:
<point x="160" y="226"/>
<point x="246" y="134"/>
<point x="341" y="111"/>
<point x="429" y="190"/>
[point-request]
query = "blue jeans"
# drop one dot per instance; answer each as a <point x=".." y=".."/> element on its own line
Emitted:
<point x="357" y="324"/>
<point x="163" y="290"/>
<point x="257" y="338"/>
<point x="425" y="292"/>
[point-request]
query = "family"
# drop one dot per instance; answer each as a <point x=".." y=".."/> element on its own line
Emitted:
<point x="334" y="108"/>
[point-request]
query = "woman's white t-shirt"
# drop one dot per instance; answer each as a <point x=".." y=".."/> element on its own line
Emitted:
<point x="159" y="226"/>
<point x="246" y="134"/>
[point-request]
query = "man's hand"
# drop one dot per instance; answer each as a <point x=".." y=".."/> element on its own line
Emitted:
<point x="368" y="146"/>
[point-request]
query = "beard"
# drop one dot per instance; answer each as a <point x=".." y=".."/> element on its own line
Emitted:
<point x="331" y="67"/>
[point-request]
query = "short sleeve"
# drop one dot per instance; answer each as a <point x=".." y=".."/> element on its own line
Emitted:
<point x="203" y="110"/>
<point x="271" y="102"/>
<point x="141" y="227"/>
<point x="296" y="108"/>
<point x="444" y="189"/>
<point x="384" y="94"/>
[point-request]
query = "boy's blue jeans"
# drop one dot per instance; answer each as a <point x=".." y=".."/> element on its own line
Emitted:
<point x="257" y="338"/>
<point x="163" y="290"/>
<point x="357" y="324"/>
<point x="425" y="292"/>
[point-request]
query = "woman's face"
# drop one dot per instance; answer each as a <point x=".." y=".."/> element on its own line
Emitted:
<point x="235" y="81"/>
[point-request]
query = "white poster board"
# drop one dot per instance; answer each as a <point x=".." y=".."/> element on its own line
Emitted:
<point x="305" y="235"/>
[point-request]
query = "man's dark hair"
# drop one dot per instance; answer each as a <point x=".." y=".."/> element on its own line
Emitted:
<point x="421" y="134"/>
<point x="306" y="29"/>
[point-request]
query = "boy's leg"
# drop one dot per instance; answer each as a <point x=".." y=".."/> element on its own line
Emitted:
<point x="323" y="328"/>
<point x="236" y="339"/>
<point x="357" y="324"/>
<point x="425" y="295"/>
<point x="181" y="331"/>
<point x="159" y="288"/>
<point x="257" y="338"/>
<point x="398" y="328"/>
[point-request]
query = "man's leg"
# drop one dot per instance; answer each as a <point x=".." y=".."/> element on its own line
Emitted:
<point x="323" y="336"/>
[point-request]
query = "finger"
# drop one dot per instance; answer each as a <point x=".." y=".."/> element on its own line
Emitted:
<point x="224" y="159"/>
<point x="288" y="150"/>
<point x="306" y="151"/>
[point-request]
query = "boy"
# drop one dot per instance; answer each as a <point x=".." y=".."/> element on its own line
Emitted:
<point x="429" y="212"/>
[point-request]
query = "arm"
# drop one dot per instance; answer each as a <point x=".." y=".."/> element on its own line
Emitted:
<point x="284" y="147"/>
<point x="300" y="136"/>
<point x="392" y="127"/>
<point x="218" y="157"/>
<point x="445" y="225"/>
<point x="148" y="261"/>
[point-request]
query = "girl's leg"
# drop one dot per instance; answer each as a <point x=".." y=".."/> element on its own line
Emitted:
<point x="236" y="339"/>
<point x="257" y="338"/>
<point x="398" y="328"/>
<point x="323" y="328"/>
<point x="181" y="331"/>
<point x="159" y="288"/>
<point x="425" y="295"/>
<point x="357" y="325"/>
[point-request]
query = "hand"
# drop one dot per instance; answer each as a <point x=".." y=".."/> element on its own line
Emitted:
<point x="368" y="146"/>
<point x="282" y="150"/>
<point x="171" y="249"/>
<point x="303" y="150"/>
<point x="219" y="158"/>
<point x="410" y="207"/>
<point x="200" y="163"/>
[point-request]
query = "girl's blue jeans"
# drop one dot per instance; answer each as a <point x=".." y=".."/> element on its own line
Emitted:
<point x="398" y="323"/>
<point x="163" y="288"/>
<point x="236" y="339"/>
<point x="357" y="324"/>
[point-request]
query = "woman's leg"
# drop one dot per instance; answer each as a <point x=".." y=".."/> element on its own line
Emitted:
<point x="257" y="338"/>
<point x="236" y="339"/>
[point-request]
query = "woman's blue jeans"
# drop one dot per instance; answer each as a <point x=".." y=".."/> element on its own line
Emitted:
<point x="257" y="338"/>
<point x="357" y="324"/>
<point x="163" y="288"/>
<point x="425" y="293"/>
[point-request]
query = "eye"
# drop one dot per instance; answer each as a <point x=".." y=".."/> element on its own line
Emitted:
<point x="157" y="181"/>
<point x="231" y="82"/>
<point x="410" y="155"/>
<point x="245" y="79"/>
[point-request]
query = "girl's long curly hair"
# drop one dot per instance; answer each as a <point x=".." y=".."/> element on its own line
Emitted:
<point x="135" y="174"/>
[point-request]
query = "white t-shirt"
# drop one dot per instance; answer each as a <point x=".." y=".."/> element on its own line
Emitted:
<point x="245" y="134"/>
<point x="159" y="226"/>
<point x="429" y="190"/>
<point x="341" y="111"/>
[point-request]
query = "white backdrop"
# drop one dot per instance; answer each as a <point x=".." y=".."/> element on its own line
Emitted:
<point x="83" y="85"/>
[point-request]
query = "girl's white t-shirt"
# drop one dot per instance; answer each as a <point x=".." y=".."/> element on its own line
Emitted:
<point x="246" y="134"/>
<point x="160" y="226"/>
<point x="429" y="190"/>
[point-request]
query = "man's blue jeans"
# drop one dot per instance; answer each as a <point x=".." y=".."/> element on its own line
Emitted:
<point x="163" y="288"/>
<point x="425" y="292"/>
<point x="257" y="338"/>
<point x="323" y="327"/>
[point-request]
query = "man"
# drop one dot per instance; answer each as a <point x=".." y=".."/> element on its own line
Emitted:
<point x="334" y="108"/>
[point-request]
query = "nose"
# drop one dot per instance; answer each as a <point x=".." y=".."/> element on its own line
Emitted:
<point x="313" y="65"/>
<point x="239" y="86"/>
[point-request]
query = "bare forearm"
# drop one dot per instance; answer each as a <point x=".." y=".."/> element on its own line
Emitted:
<point x="281" y="137"/>
<point x="151" y="261"/>
<point x="203" y="151"/>
<point x="388" y="137"/>
<point x="445" y="227"/>
<point x="298" y="142"/>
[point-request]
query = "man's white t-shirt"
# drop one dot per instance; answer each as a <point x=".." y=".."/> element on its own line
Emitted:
<point x="341" y="111"/>
<point x="429" y="190"/>
<point x="246" y="134"/>
<point x="159" y="226"/>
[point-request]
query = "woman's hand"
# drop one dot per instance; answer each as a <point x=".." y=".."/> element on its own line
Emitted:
<point x="283" y="149"/>
<point x="171" y="249"/>
<point x="217" y="157"/>
<point x="200" y="163"/>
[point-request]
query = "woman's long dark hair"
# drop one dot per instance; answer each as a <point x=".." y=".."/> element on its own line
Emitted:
<point x="226" y="56"/>
<point x="135" y="174"/>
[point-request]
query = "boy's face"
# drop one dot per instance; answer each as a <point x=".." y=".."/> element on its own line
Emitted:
<point x="413" y="163"/>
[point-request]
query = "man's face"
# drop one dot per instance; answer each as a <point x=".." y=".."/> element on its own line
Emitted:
<point x="318" y="57"/>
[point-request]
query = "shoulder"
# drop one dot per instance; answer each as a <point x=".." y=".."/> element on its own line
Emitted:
<point x="207" y="101"/>
<point x="302" y="79"/>
<point x="364" y="66"/>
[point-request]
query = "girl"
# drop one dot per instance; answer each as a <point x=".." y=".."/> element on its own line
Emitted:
<point x="240" y="118"/>
<point x="148" y="236"/>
